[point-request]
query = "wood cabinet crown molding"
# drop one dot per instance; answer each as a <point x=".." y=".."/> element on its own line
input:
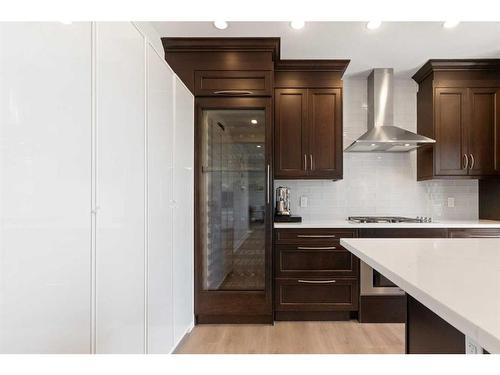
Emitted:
<point x="222" y="44"/>
<point x="434" y="65"/>
<point x="339" y="65"/>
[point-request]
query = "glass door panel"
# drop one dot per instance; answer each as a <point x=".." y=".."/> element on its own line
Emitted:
<point x="233" y="182"/>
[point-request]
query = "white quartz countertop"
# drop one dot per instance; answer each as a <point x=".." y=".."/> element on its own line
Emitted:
<point x="458" y="279"/>
<point x="348" y="224"/>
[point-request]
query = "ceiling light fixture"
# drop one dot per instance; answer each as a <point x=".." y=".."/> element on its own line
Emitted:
<point x="221" y="25"/>
<point x="372" y="25"/>
<point x="254" y="121"/>
<point x="450" y="24"/>
<point x="297" y="25"/>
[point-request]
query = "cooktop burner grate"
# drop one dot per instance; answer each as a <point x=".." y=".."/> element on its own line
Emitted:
<point x="388" y="219"/>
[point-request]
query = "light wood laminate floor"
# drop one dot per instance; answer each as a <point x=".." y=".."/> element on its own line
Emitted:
<point x="295" y="337"/>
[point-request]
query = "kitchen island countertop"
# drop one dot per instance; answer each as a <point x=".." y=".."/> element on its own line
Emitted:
<point x="457" y="279"/>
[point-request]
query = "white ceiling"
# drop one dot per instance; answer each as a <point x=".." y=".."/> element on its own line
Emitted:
<point x="404" y="46"/>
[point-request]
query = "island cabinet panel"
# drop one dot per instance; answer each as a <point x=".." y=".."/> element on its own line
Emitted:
<point x="458" y="104"/>
<point x="315" y="277"/>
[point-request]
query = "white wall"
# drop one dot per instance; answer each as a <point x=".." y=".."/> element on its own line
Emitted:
<point x="382" y="183"/>
<point x="90" y="183"/>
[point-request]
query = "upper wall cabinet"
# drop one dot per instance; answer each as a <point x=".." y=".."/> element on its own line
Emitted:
<point x="308" y="119"/>
<point x="458" y="104"/>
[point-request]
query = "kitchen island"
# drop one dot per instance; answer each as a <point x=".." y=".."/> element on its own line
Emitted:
<point x="453" y="287"/>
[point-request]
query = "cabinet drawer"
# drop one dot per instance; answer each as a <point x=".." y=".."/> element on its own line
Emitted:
<point x="312" y="236"/>
<point x="315" y="261"/>
<point x="474" y="233"/>
<point x="316" y="294"/>
<point x="233" y="83"/>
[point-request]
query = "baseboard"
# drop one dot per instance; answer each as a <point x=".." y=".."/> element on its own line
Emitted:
<point x="382" y="309"/>
<point x="312" y="315"/>
<point x="234" y="319"/>
<point x="183" y="338"/>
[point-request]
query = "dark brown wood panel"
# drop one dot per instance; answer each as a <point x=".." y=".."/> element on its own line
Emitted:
<point x="427" y="333"/>
<point x="483" y="134"/>
<point x="489" y="199"/>
<point x="425" y="126"/>
<point x="474" y="233"/>
<point x="313" y="315"/>
<point x="403" y="233"/>
<point x="309" y="294"/>
<point x="290" y="140"/>
<point x="233" y="83"/>
<point x="314" y="261"/>
<point x="382" y="309"/>
<point x="312" y="236"/>
<point x="325" y="133"/>
<point x="450" y="121"/>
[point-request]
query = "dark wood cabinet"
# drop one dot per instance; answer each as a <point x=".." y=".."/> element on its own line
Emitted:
<point x="474" y="233"/>
<point x="458" y="104"/>
<point x="233" y="83"/>
<point x="308" y="120"/>
<point x="315" y="277"/>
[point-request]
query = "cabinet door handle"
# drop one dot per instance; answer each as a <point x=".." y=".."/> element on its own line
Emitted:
<point x="233" y="92"/>
<point x="316" y="235"/>
<point x="305" y="162"/>
<point x="472" y="161"/>
<point x="317" y="281"/>
<point x="311" y="159"/>
<point x="268" y="183"/>
<point x="316" y="248"/>
<point x="466" y="161"/>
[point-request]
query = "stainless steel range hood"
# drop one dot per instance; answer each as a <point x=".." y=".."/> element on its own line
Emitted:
<point x="382" y="135"/>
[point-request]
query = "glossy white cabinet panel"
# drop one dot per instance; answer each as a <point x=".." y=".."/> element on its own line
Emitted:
<point x="160" y="210"/>
<point x="45" y="180"/>
<point x="120" y="238"/>
<point x="183" y="212"/>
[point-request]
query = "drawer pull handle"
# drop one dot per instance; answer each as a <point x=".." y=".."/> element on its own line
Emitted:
<point x="233" y="92"/>
<point x="317" y="281"/>
<point x="316" y="235"/>
<point x="316" y="248"/>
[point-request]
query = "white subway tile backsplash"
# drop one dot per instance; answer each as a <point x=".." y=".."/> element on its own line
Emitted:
<point x="382" y="183"/>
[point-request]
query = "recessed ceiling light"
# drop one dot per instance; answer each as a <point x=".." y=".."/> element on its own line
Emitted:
<point x="253" y="121"/>
<point x="259" y="146"/>
<point x="373" y="145"/>
<point x="407" y="145"/>
<point x="372" y="25"/>
<point x="450" y="24"/>
<point x="297" y="25"/>
<point x="221" y="25"/>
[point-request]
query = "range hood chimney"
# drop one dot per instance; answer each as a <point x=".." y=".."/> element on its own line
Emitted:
<point x="382" y="135"/>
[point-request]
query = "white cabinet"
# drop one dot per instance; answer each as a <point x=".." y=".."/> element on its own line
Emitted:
<point x="183" y="213"/>
<point x="120" y="233"/>
<point x="160" y="131"/>
<point x="45" y="180"/>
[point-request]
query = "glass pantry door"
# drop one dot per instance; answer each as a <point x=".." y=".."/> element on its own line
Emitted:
<point x="233" y="199"/>
<point x="233" y="144"/>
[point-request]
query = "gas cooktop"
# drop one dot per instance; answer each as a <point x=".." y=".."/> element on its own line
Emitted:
<point x="388" y="219"/>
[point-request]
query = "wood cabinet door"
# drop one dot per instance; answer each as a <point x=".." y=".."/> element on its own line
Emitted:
<point x="483" y="131"/>
<point x="450" y="122"/>
<point x="324" y="133"/>
<point x="290" y="138"/>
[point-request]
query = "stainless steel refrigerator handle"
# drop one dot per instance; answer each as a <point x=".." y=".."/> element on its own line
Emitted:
<point x="466" y="161"/>
<point x="317" y="281"/>
<point x="268" y="176"/>
<point x="472" y="161"/>
<point x="316" y="235"/>
<point x="316" y="248"/>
